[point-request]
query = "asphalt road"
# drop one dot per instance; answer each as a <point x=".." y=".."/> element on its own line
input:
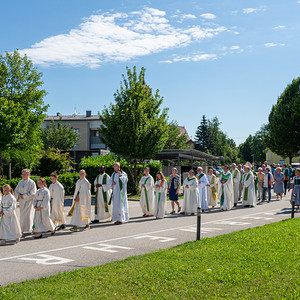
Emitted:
<point x="106" y="242"/>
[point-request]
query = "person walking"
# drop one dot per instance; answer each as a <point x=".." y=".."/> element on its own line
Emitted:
<point x="173" y="188"/>
<point x="278" y="183"/>
<point x="296" y="188"/>
<point x="146" y="186"/>
<point x="286" y="173"/>
<point x="161" y="187"/>
<point x="260" y="183"/>
<point x="267" y="184"/>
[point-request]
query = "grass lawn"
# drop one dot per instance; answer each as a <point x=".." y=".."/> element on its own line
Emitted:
<point x="258" y="263"/>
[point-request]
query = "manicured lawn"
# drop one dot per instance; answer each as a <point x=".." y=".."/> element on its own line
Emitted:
<point x="258" y="263"/>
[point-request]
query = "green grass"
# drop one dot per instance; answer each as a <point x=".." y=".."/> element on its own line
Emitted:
<point x="258" y="263"/>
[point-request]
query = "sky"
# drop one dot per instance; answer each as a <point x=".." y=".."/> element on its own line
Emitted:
<point x="231" y="58"/>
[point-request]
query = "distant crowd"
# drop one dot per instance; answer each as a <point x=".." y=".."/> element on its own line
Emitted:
<point x="42" y="209"/>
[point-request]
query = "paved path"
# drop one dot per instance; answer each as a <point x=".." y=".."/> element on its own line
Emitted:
<point x="106" y="242"/>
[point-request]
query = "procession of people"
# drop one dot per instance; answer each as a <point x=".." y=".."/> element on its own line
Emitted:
<point x="42" y="209"/>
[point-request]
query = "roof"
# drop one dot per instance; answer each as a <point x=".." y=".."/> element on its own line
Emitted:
<point x="72" y="118"/>
<point x="183" y="132"/>
<point x="186" y="154"/>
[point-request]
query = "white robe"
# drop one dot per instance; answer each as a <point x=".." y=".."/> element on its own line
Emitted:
<point x="57" y="195"/>
<point x="82" y="212"/>
<point x="228" y="192"/>
<point x="236" y="184"/>
<point x="120" y="210"/>
<point x="149" y="190"/>
<point x="42" y="221"/>
<point x="160" y="199"/>
<point x="27" y="189"/>
<point x="10" y="227"/>
<point x="210" y="198"/>
<point x="248" y="181"/>
<point x="202" y="182"/>
<point x="191" y="195"/>
<point x="101" y="214"/>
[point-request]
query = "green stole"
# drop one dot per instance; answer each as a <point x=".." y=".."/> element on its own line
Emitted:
<point x="222" y="197"/>
<point x="246" y="188"/>
<point x="159" y="194"/>
<point x="297" y="181"/>
<point x="121" y="188"/>
<point x="255" y="181"/>
<point x="200" y="176"/>
<point x="146" y="195"/>
<point x="103" y="193"/>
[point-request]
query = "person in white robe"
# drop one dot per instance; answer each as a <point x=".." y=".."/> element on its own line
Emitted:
<point x="103" y="193"/>
<point x="212" y="194"/>
<point x="118" y="182"/>
<point x="57" y="196"/>
<point x="81" y="208"/>
<point x="146" y="186"/>
<point x="191" y="195"/>
<point x="41" y="203"/>
<point x="161" y="188"/>
<point x="225" y="189"/>
<point x="249" y="196"/>
<point x="10" y="227"/>
<point x="236" y="176"/>
<point x="24" y="193"/>
<point x="202" y="186"/>
<point x="240" y="168"/>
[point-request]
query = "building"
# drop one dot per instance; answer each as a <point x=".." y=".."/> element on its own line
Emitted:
<point x="272" y="157"/>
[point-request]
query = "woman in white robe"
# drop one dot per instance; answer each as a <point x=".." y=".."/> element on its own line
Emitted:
<point x="118" y="180"/>
<point x="225" y="190"/>
<point x="161" y="187"/>
<point x="202" y="186"/>
<point x="57" y="196"/>
<point x="10" y="227"/>
<point x="212" y="194"/>
<point x="146" y="186"/>
<point x="24" y="193"/>
<point x="249" y="196"/>
<point x="103" y="193"/>
<point x="191" y="194"/>
<point x="81" y="208"/>
<point x="41" y="202"/>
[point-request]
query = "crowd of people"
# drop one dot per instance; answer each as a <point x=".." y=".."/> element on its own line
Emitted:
<point x="42" y="210"/>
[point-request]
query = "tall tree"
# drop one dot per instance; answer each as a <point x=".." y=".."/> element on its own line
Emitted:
<point x="135" y="127"/>
<point x="59" y="136"/>
<point x="176" y="140"/>
<point x="22" y="108"/>
<point x="203" y="139"/>
<point x="283" y="129"/>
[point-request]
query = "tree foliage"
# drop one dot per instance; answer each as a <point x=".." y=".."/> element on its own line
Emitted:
<point x="135" y="127"/>
<point x="59" y="136"/>
<point x="203" y="138"/>
<point x="283" y="130"/>
<point x="176" y="140"/>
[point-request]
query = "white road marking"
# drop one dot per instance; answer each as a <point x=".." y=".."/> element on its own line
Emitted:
<point x="107" y="248"/>
<point x="152" y="237"/>
<point x="224" y="222"/>
<point x="48" y="260"/>
<point x="122" y="238"/>
<point x="203" y="230"/>
<point x="257" y="218"/>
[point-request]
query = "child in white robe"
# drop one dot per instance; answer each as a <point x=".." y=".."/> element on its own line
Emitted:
<point x="41" y="202"/>
<point x="81" y="208"/>
<point x="161" y="188"/>
<point x="10" y="227"/>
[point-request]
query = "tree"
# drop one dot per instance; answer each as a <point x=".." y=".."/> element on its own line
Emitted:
<point x="61" y="137"/>
<point x="283" y="130"/>
<point x="135" y="127"/>
<point x="176" y="140"/>
<point x="22" y="108"/>
<point x="203" y="141"/>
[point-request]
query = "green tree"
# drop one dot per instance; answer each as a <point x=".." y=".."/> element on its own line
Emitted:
<point x="283" y="130"/>
<point x="22" y="108"/>
<point x="59" y="136"/>
<point x="203" y="138"/>
<point x="245" y="149"/>
<point x="176" y="140"/>
<point x="135" y="127"/>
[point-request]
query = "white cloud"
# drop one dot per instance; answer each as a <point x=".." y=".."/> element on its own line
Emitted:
<point x="117" y="37"/>
<point x="188" y="17"/>
<point x="249" y="10"/>
<point x="236" y="49"/>
<point x="192" y="58"/>
<point x="279" y="27"/>
<point x="273" y="45"/>
<point x="208" y="16"/>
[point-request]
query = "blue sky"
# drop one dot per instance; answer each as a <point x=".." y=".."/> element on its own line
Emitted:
<point x="229" y="59"/>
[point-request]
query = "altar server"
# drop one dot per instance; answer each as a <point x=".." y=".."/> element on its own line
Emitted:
<point x="146" y="186"/>
<point x="212" y="194"/>
<point x="191" y="194"/>
<point x="161" y="188"/>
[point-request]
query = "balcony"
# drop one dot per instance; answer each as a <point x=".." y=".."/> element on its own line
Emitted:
<point x="96" y="143"/>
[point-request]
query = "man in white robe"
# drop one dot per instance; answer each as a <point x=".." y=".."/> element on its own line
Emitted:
<point x="191" y="194"/>
<point x="236" y="176"/>
<point x="146" y="186"/>
<point x="249" y="197"/>
<point x="225" y="189"/>
<point x="212" y="194"/>
<point x="24" y="193"/>
<point x="202" y="186"/>
<point x="118" y="182"/>
<point x="240" y="168"/>
<point x="103" y="194"/>
<point x="57" y="195"/>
